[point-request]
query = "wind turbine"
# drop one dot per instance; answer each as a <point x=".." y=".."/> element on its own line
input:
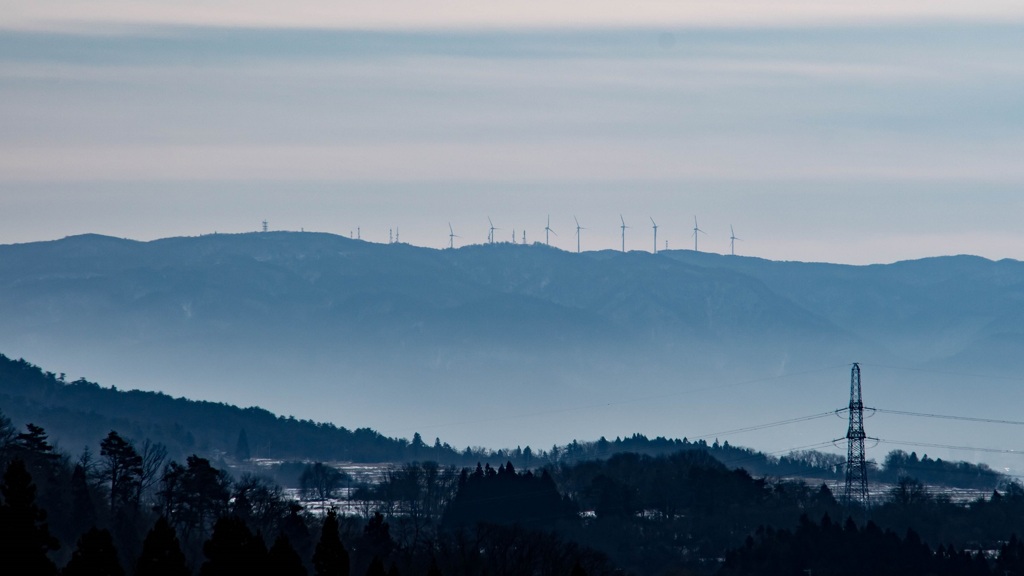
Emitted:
<point x="578" y="228"/>
<point x="490" y="233"/>
<point x="548" y="230"/>
<point x="732" y="240"/>
<point x="696" y="229"/>
<point x="655" y="226"/>
<point x="452" y="236"/>
<point x="623" y="232"/>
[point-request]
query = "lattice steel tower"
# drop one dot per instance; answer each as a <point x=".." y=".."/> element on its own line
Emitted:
<point x="856" y="468"/>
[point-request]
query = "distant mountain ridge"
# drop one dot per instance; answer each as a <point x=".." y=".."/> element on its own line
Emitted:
<point x="332" y="328"/>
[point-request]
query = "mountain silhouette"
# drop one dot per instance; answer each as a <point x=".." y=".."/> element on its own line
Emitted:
<point x="399" y="337"/>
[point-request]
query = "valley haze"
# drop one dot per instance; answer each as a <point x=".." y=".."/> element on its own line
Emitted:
<point x="501" y="345"/>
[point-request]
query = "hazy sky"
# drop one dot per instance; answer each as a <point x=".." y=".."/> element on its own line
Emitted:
<point x="840" y="131"/>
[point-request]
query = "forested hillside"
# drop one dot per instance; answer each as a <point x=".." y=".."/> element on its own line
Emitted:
<point x="81" y="412"/>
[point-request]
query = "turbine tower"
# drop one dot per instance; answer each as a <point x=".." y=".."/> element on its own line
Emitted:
<point x="856" y="468"/>
<point x="452" y="236"/>
<point x="623" y="232"/>
<point x="548" y="230"/>
<point x="490" y="232"/>
<point x="696" y="229"/>
<point x="578" y="228"/>
<point x="264" y="225"/>
<point x="732" y="241"/>
<point x="655" y="226"/>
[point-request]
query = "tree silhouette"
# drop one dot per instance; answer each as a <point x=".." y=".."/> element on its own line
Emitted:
<point x="193" y="497"/>
<point x="121" y="469"/>
<point x="161" y="553"/>
<point x="330" y="557"/>
<point x="83" y="509"/>
<point x="233" y="550"/>
<point x="94" y="555"/>
<point x="282" y="560"/>
<point x="376" y="541"/>
<point x="320" y="482"/>
<point x="25" y="537"/>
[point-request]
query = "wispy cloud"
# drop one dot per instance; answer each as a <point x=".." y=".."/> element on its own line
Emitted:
<point x="454" y="14"/>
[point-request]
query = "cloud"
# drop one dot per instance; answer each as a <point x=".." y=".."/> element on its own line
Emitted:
<point x="456" y="14"/>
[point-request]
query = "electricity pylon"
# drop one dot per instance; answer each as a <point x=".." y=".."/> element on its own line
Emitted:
<point x="856" y="468"/>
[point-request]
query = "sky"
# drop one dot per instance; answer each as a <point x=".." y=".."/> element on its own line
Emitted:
<point x="853" y="132"/>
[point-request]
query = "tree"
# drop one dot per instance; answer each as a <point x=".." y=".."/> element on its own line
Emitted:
<point x="25" y="538"/>
<point x="83" y="509"/>
<point x="375" y="542"/>
<point x="233" y="550"/>
<point x="330" y="557"/>
<point x="161" y="553"/>
<point x="94" y="555"/>
<point x="282" y="560"/>
<point x="121" y="468"/>
<point x="909" y="491"/>
<point x="154" y="456"/>
<point x="260" y="502"/>
<point x="34" y="448"/>
<point x="8" y="437"/>
<point x="193" y="497"/>
<point x="319" y="481"/>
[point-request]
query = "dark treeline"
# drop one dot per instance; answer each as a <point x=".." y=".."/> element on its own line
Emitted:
<point x="127" y="508"/>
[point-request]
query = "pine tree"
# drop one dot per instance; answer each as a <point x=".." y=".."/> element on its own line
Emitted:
<point x="161" y="553"/>
<point x="282" y="560"/>
<point x="330" y="558"/>
<point x="94" y="555"/>
<point x="83" y="511"/>
<point x="233" y="550"/>
<point x="25" y="537"/>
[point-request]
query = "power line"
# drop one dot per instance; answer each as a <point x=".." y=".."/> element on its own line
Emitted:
<point x="951" y="447"/>
<point x="947" y="372"/>
<point x="768" y="425"/>
<point x="950" y="417"/>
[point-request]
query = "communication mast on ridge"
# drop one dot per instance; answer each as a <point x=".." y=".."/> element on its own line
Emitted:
<point x="856" y="467"/>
